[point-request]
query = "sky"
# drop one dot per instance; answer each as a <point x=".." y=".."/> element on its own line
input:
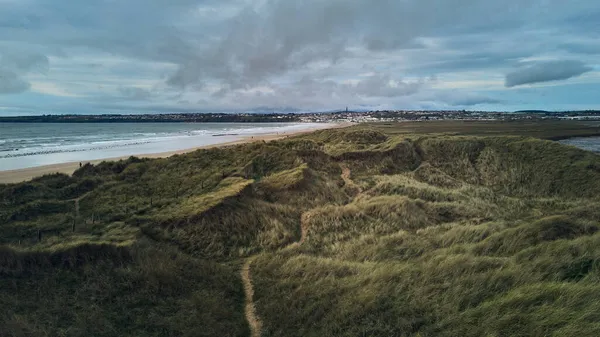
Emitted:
<point x="161" y="56"/>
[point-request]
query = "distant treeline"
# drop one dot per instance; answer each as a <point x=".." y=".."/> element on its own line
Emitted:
<point x="149" y="118"/>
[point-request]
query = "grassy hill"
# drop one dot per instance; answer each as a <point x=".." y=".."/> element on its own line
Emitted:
<point x="378" y="230"/>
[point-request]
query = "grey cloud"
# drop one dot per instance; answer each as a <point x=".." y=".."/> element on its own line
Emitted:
<point x="11" y="83"/>
<point x="591" y="48"/>
<point x="376" y="85"/>
<point x="384" y="86"/>
<point x="14" y="65"/>
<point x="377" y="44"/>
<point x="280" y="35"/>
<point x="24" y="61"/>
<point x="545" y="72"/>
<point x="135" y="93"/>
<point x="274" y="43"/>
<point x="272" y="38"/>
<point x="147" y="30"/>
<point x="186" y="75"/>
<point x="267" y="38"/>
<point x="473" y="100"/>
<point x="458" y="98"/>
<point x="309" y="92"/>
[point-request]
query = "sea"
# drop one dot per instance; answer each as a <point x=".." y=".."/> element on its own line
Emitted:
<point x="586" y="143"/>
<point x="24" y="145"/>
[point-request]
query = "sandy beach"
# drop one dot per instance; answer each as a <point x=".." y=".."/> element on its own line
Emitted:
<point x="15" y="176"/>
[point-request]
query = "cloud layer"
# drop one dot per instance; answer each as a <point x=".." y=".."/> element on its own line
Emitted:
<point x="184" y="55"/>
<point x="545" y="72"/>
<point x="11" y="83"/>
<point x="14" y="65"/>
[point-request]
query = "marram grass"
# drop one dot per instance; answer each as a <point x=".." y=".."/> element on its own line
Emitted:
<point x="470" y="232"/>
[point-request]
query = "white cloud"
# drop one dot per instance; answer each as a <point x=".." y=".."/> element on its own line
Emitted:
<point x="486" y="84"/>
<point x="49" y="88"/>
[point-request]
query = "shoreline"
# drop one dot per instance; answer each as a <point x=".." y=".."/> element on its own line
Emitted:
<point x="24" y="174"/>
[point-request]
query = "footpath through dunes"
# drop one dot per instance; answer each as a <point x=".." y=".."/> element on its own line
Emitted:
<point x="76" y="203"/>
<point x="304" y="221"/>
<point x="346" y="177"/>
<point x="338" y="233"/>
<point x="250" y="310"/>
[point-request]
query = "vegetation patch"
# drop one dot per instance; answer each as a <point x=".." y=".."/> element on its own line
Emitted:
<point x="379" y="230"/>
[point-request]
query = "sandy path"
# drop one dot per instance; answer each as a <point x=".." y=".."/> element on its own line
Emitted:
<point x="304" y="219"/>
<point x="250" y="310"/>
<point x="76" y="200"/>
<point x="346" y="174"/>
<point x="77" y="208"/>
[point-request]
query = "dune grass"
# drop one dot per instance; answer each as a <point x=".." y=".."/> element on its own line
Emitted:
<point x="473" y="233"/>
<point x="142" y="290"/>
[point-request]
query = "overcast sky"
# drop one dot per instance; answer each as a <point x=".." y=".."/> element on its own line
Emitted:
<point x="137" y="56"/>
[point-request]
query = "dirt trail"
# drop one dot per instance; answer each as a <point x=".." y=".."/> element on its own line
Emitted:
<point x="76" y="200"/>
<point x="346" y="173"/>
<point x="250" y="311"/>
<point x="77" y="208"/>
<point x="304" y="219"/>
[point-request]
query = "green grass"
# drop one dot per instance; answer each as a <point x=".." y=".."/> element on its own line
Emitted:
<point x="445" y="229"/>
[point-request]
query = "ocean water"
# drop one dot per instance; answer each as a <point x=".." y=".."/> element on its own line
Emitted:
<point x="25" y="145"/>
<point x="586" y="143"/>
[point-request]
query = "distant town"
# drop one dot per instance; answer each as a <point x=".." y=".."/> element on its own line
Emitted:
<point x="425" y="115"/>
<point x="315" y="117"/>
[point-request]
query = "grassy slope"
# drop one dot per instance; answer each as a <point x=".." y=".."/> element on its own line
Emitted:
<point x="438" y="234"/>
